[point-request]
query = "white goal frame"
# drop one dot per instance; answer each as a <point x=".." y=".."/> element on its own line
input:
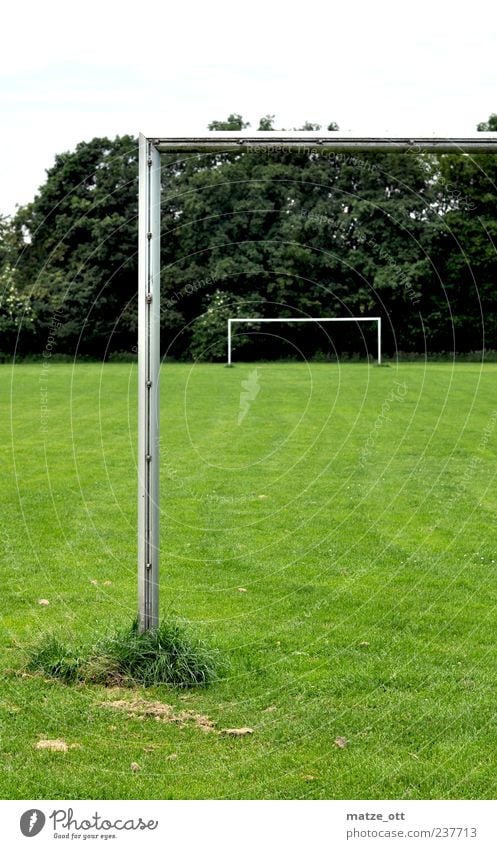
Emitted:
<point x="151" y="147"/>
<point x="232" y="321"/>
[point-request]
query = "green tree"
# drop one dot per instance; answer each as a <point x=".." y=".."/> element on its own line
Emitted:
<point x="16" y="311"/>
<point x="233" y="122"/>
<point x="80" y="252"/>
<point x="209" y="333"/>
<point x="464" y="306"/>
<point x="266" y="123"/>
<point x="489" y="126"/>
<point x="309" y="127"/>
<point x="287" y="232"/>
<point x="306" y="233"/>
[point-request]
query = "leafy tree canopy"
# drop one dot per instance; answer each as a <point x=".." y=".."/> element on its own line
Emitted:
<point x="404" y="236"/>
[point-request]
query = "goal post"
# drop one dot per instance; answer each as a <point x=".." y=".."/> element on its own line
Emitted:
<point x="369" y="318"/>
<point x="151" y="147"/>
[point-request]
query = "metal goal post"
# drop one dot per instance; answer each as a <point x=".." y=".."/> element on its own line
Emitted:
<point x="151" y="148"/>
<point x="371" y="318"/>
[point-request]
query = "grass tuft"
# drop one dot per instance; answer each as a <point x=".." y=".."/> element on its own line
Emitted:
<point x="168" y="655"/>
<point x="55" y="659"/>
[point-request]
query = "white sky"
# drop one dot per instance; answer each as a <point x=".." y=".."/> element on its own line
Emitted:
<point x="70" y="71"/>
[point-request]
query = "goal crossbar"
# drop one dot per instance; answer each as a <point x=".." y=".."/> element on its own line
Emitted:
<point x="363" y="318"/>
<point x="215" y="142"/>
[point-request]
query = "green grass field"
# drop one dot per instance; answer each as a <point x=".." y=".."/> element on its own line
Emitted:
<point x="337" y="542"/>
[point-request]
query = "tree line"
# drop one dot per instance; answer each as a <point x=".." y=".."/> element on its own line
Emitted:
<point x="409" y="237"/>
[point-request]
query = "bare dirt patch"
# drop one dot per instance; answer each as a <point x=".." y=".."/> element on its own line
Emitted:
<point x="160" y="711"/>
<point x="141" y="708"/>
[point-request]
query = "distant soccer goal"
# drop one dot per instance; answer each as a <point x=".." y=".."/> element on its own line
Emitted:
<point x="372" y="318"/>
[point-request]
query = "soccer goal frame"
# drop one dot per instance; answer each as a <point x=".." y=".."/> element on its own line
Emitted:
<point x="299" y="320"/>
<point x="150" y="150"/>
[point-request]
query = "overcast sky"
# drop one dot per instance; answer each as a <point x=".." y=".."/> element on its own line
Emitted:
<point x="74" y="71"/>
